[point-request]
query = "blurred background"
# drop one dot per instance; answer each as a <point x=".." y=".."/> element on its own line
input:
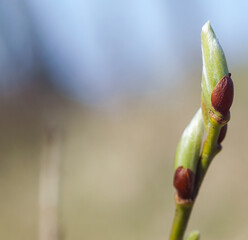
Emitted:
<point x="94" y="96"/>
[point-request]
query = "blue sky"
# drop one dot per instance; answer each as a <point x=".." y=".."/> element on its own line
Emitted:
<point x="95" y="48"/>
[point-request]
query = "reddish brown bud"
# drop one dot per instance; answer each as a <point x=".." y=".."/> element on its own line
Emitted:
<point x="184" y="181"/>
<point x="222" y="95"/>
<point x="222" y="134"/>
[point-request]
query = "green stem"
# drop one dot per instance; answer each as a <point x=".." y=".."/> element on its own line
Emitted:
<point x="210" y="149"/>
<point x="182" y="214"/>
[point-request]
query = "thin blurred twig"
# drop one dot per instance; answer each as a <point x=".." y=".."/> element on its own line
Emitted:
<point x="49" y="185"/>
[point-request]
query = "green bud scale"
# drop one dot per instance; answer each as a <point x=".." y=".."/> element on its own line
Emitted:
<point x="187" y="157"/>
<point x="189" y="147"/>
<point x="214" y="70"/>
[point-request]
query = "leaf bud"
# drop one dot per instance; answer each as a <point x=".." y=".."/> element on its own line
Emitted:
<point x="187" y="157"/>
<point x="188" y="149"/>
<point x="184" y="181"/>
<point x="222" y="95"/>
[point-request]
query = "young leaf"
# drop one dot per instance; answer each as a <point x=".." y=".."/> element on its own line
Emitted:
<point x="214" y="70"/>
<point x="187" y="157"/>
<point x="189" y="147"/>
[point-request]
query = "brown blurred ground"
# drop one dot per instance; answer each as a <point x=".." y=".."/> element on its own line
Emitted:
<point x="117" y="167"/>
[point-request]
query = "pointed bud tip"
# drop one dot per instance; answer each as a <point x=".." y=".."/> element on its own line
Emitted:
<point x="184" y="181"/>
<point x="206" y="27"/>
<point x="208" y="31"/>
<point x="222" y="95"/>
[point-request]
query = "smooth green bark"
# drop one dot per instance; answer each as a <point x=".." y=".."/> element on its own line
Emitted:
<point x="180" y="222"/>
<point x="209" y="150"/>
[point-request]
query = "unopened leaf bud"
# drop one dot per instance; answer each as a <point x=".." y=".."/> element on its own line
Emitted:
<point x="188" y="149"/>
<point x="214" y="69"/>
<point x="184" y="181"/>
<point x="187" y="156"/>
<point x="222" y="95"/>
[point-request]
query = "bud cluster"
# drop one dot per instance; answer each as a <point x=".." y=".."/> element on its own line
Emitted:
<point x="216" y="100"/>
